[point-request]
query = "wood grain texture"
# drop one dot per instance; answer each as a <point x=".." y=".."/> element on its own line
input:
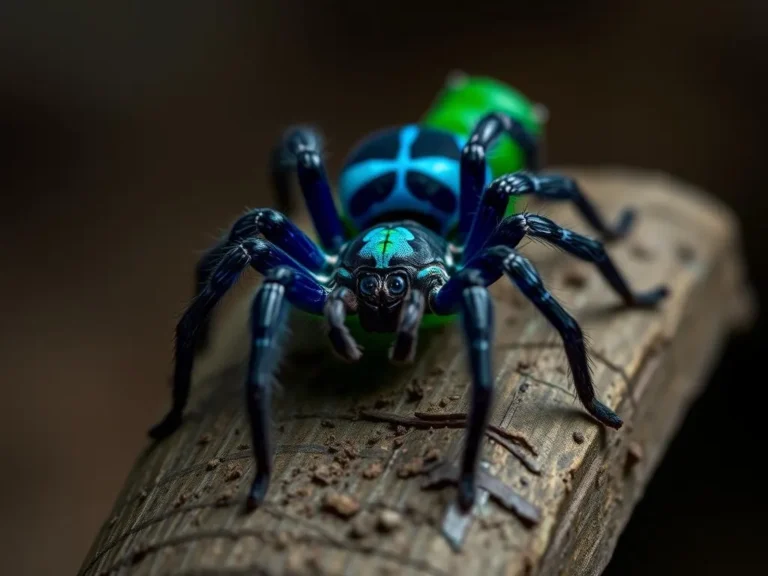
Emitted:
<point x="181" y="510"/>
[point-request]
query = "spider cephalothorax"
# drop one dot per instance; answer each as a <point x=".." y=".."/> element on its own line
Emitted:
<point x="427" y="231"/>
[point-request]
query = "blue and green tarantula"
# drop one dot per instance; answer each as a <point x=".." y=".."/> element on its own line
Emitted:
<point x="424" y="231"/>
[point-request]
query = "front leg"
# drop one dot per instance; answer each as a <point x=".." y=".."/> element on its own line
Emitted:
<point x="494" y="202"/>
<point x="468" y="294"/>
<point x="268" y="319"/>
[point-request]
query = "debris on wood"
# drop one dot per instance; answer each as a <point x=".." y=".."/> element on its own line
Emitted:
<point x="342" y="505"/>
<point x="373" y="470"/>
<point x="389" y="521"/>
<point x="234" y="471"/>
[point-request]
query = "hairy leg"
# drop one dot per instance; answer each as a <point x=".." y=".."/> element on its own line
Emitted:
<point x="269" y="314"/>
<point x="274" y="227"/>
<point x="308" y="294"/>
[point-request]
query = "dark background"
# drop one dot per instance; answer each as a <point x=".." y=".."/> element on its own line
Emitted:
<point x="130" y="135"/>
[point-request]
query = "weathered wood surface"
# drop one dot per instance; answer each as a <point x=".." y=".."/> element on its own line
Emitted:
<point x="181" y="511"/>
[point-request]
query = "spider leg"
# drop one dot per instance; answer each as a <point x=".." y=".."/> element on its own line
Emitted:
<point x="467" y="291"/>
<point x="493" y="206"/>
<point x="473" y="161"/>
<point x="299" y="150"/>
<point x="341" y="301"/>
<point x="513" y="228"/>
<point x="404" y="347"/>
<point x="463" y="293"/>
<point x="268" y="320"/>
<point x="306" y="293"/>
<point x="273" y="227"/>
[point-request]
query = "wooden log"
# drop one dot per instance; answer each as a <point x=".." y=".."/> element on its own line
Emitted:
<point x="364" y="453"/>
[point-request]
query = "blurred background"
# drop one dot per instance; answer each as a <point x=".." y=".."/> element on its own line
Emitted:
<point x="132" y="133"/>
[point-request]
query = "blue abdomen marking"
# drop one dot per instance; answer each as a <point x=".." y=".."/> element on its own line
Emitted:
<point x="405" y="170"/>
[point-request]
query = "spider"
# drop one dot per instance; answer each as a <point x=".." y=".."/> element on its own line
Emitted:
<point x="423" y="233"/>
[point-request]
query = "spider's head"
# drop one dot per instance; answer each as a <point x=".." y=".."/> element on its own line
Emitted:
<point x="380" y="295"/>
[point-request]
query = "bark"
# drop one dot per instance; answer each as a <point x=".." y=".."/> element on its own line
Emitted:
<point x="364" y="453"/>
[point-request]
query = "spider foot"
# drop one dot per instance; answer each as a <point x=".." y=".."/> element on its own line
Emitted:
<point x="466" y="492"/>
<point x="166" y="426"/>
<point x="604" y="414"/>
<point x="650" y="298"/>
<point x="257" y="492"/>
<point x="624" y="225"/>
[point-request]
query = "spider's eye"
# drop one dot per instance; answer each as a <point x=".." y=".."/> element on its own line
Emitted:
<point x="396" y="285"/>
<point x="368" y="285"/>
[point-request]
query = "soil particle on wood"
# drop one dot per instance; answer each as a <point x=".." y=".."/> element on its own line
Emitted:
<point x="415" y="390"/>
<point x="413" y="467"/>
<point x="634" y="455"/>
<point x="641" y="251"/>
<point x="376" y="437"/>
<point x="243" y="446"/>
<point x="388" y="521"/>
<point x="574" y="279"/>
<point x="322" y="475"/>
<point x="432" y="455"/>
<point x="234" y="471"/>
<point x="204" y="439"/>
<point x="342" y="505"/>
<point x="225" y="497"/>
<point x="182" y="499"/>
<point x="373" y="470"/>
<point x="282" y="541"/>
<point x="212" y="464"/>
<point x="361" y="527"/>
<point x="578" y="437"/>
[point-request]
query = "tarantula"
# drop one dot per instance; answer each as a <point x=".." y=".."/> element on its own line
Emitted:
<point x="424" y="231"/>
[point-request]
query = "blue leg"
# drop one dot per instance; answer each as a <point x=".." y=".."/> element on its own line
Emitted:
<point x="306" y="293"/>
<point x="473" y="161"/>
<point x="513" y="228"/>
<point x="275" y="228"/>
<point x="269" y="314"/>
<point x="300" y="148"/>
<point x="488" y="267"/>
<point x="467" y="292"/>
<point x="493" y="206"/>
